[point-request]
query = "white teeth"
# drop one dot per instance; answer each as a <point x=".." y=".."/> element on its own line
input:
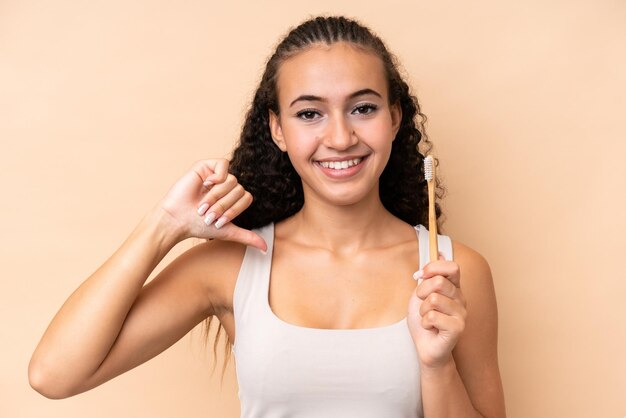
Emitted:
<point x="340" y="165"/>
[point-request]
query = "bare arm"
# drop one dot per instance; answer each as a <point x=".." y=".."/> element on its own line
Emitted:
<point x="476" y="353"/>
<point x="465" y="382"/>
<point x="83" y="331"/>
<point x="112" y="322"/>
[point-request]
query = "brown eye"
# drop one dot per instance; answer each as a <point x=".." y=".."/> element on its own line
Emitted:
<point x="365" y="109"/>
<point x="307" y="114"/>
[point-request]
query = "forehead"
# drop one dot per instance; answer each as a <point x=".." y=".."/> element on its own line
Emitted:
<point x="330" y="71"/>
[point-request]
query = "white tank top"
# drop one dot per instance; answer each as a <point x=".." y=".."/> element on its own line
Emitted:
<point x="289" y="371"/>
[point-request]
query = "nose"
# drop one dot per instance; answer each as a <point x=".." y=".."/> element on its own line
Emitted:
<point x="340" y="134"/>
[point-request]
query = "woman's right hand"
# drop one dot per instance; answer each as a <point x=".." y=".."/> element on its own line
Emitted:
<point x="203" y="202"/>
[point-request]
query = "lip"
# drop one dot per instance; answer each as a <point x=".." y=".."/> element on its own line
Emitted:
<point x="346" y="172"/>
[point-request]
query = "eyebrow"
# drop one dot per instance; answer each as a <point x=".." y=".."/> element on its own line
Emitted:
<point x="312" y="98"/>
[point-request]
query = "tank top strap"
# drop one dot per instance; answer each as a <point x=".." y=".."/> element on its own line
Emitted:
<point x="443" y="241"/>
<point x="253" y="281"/>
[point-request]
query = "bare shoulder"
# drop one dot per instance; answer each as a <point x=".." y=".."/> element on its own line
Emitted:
<point x="476" y="285"/>
<point x="473" y="265"/>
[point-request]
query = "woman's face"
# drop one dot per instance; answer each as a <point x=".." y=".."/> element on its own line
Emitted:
<point x="335" y="121"/>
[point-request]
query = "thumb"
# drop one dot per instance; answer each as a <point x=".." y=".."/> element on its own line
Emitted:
<point x="244" y="236"/>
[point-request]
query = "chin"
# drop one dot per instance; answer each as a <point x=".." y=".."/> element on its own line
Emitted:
<point x="347" y="198"/>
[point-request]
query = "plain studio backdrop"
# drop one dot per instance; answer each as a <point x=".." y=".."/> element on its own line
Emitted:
<point x="104" y="104"/>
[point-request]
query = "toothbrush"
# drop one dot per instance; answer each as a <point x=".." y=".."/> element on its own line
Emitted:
<point x="429" y="174"/>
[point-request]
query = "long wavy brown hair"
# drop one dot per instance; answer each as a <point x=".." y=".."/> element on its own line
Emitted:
<point x="266" y="172"/>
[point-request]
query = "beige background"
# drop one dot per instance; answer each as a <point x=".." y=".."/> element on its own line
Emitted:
<point x="104" y="104"/>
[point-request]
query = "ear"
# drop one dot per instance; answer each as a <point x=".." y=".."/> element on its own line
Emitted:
<point x="396" y="117"/>
<point x="277" y="131"/>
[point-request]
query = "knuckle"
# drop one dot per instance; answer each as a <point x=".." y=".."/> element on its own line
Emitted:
<point x="440" y="282"/>
<point x="431" y="316"/>
<point x="456" y="269"/>
<point x="434" y="299"/>
<point x="247" y="200"/>
<point x="239" y="190"/>
<point x="220" y="163"/>
<point x="231" y="180"/>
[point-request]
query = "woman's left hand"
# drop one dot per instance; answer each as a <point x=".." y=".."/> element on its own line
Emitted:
<point x="437" y="313"/>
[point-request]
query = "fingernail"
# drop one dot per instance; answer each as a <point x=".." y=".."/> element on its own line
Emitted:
<point x="210" y="218"/>
<point x="203" y="208"/>
<point x="220" y="222"/>
<point x="207" y="183"/>
<point x="419" y="281"/>
<point x="418" y="275"/>
<point x="263" y="252"/>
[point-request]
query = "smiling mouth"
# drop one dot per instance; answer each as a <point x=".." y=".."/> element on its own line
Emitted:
<point x="341" y="165"/>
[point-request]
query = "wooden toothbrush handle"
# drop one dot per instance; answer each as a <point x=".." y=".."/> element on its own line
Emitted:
<point x="432" y="222"/>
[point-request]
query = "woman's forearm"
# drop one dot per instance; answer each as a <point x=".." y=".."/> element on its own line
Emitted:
<point x="444" y="394"/>
<point x="82" y="332"/>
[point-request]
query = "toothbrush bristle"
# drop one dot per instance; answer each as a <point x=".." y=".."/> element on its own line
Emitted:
<point x="428" y="168"/>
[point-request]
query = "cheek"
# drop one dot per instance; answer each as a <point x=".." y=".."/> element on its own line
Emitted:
<point x="378" y="131"/>
<point x="301" y="142"/>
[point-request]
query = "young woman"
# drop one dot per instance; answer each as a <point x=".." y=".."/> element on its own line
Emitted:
<point x="314" y="234"/>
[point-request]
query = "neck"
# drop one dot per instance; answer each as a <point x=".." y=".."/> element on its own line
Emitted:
<point x="342" y="229"/>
